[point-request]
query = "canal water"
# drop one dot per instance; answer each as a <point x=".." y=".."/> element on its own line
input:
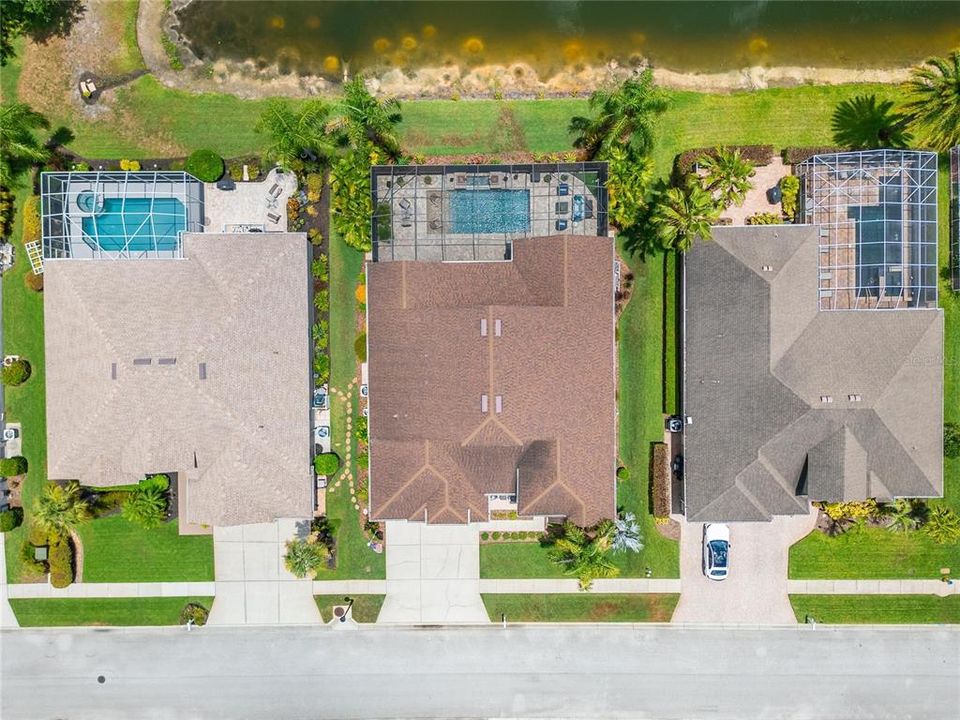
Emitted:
<point x="317" y="37"/>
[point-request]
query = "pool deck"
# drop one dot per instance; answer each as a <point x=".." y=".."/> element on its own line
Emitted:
<point x="250" y="203"/>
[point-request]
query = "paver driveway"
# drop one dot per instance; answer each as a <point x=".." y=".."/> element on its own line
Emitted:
<point x="755" y="592"/>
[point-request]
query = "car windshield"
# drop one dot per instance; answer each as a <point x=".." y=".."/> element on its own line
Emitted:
<point x="718" y="550"/>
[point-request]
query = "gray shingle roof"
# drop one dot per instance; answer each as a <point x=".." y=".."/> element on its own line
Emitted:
<point x="432" y="447"/>
<point x="240" y="438"/>
<point x="759" y="356"/>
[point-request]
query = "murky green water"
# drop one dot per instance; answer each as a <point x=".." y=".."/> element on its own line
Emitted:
<point x="317" y="37"/>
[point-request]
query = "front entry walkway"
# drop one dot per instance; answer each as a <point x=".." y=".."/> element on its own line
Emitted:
<point x="755" y="593"/>
<point x="433" y="574"/>
<point x="252" y="585"/>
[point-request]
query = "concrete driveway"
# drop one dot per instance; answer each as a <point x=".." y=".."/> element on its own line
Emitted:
<point x="755" y="592"/>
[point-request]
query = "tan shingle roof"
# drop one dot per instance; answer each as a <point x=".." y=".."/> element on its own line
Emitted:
<point x="240" y="438"/>
<point x="432" y="448"/>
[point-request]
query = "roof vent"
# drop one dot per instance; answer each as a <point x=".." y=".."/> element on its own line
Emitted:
<point x="483" y="327"/>
<point x="767" y="268"/>
<point x="203" y="371"/>
<point x="484" y="403"/>
<point x="167" y="361"/>
<point x="498" y="327"/>
<point x="498" y="403"/>
<point x="142" y="361"/>
<point x="826" y="398"/>
<point x="854" y="398"/>
<point x="113" y="371"/>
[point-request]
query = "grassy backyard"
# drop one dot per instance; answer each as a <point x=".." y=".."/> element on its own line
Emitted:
<point x="582" y="607"/>
<point x="366" y="608"/>
<point x="49" y="612"/>
<point x="877" y="609"/>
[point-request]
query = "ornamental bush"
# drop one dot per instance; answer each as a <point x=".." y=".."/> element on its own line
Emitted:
<point x="790" y="190"/>
<point x="31" y="219"/>
<point x="951" y="440"/>
<point x="623" y="473"/>
<point x="16" y="465"/>
<point x="360" y="347"/>
<point x="205" y="165"/>
<point x="10" y="519"/>
<point x="16" y="373"/>
<point x="326" y="464"/>
<point x="33" y="281"/>
<point x="765" y="218"/>
<point x="661" y="480"/>
<point x="363" y="461"/>
<point x="361" y="429"/>
<point x="60" y="561"/>
<point x="160" y="481"/>
<point x="195" y="612"/>
<point x="943" y="527"/>
<point x="361" y="294"/>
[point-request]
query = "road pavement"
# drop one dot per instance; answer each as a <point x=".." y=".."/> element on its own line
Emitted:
<point x="578" y="671"/>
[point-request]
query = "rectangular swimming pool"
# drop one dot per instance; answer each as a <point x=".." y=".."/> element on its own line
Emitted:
<point x="139" y="224"/>
<point x="489" y="211"/>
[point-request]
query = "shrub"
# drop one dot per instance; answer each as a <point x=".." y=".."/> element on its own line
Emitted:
<point x="60" y="561"/>
<point x="514" y="536"/>
<point x="321" y="300"/>
<point x="129" y="165"/>
<point x="80" y="167"/>
<point x="315" y="236"/>
<point x="361" y="429"/>
<point x="794" y="155"/>
<point x="159" y="480"/>
<point x="765" y="218"/>
<point x="172" y="51"/>
<point x="623" y="473"/>
<point x="11" y="519"/>
<point x="31" y="219"/>
<point x="496" y="535"/>
<point x="194" y="612"/>
<point x="360" y="347"/>
<point x="326" y="464"/>
<point x="29" y="560"/>
<point x="6" y="212"/>
<point x="943" y="526"/>
<point x="205" y="165"/>
<point x="951" y="440"/>
<point x="33" y="281"/>
<point x="685" y="162"/>
<point x="305" y="557"/>
<point x="361" y="294"/>
<point x="363" y="461"/>
<point x="320" y="268"/>
<point x="351" y="205"/>
<point x="314" y="187"/>
<point x="146" y="506"/>
<point x="16" y="373"/>
<point x="36" y="535"/>
<point x="661" y="480"/>
<point x="850" y="511"/>
<point x="790" y="190"/>
<point x="484" y="536"/>
<point x="109" y="502"/>
<point x="16" y="465"/>
<point x="321" y="368"/>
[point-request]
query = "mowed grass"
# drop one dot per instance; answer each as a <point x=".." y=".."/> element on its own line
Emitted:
<point x="120" y="17"/>
<point x="116" y="550"/>
<point x="71" y="612"/>
<point x="877" y="609"/>
<point x="581" y="607"/>
<point x="366" y="608"/>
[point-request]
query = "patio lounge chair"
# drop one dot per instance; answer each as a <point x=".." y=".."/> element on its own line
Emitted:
<point x="273" y="217"/>
<point x="561" y="225"/>
<point x="562" y="208"/>
<point x="275" y="191"/>
<point x="404" y="203"/>
<point x="588" y="208"/>
<point x="563" y="189"/>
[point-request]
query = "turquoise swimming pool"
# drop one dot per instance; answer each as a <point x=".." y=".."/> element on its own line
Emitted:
<point x="489" y="211"/>
<point x="139" y="224"/>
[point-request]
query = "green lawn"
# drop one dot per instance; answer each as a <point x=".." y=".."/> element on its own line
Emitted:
<point x="582" y="607"/>
<point x="366" y="608"/>
<point x="877" y="609"/>
<point x="116" y="550"/>
<point x="50" y="612"/>
<point x="354" y="557"/>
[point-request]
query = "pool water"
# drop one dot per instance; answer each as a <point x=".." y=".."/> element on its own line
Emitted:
<point x="136" y="223"/>
<point x="489" y="211"/>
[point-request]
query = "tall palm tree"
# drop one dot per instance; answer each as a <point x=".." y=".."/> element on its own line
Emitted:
<point x="19" y="147"/>
<point x="584" y="557"/>
<point x="366" y="119"/>
<point x="295" y="133"/>
<point x="624" y="114"/>
<point x="864" y="123"/>
<point x="728" y="175"/>
<point x="628" y="181"/>
<point x="934" y="105"/>
<point x="60" y="508"/>
<point x="682" y="214"/>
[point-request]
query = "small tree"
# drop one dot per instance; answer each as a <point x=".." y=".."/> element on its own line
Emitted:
<point x="61" y="508"/>
<point x="16" y="465"/>
<point x="583" y="556"/>
<point x="905" y="514"/>
<point x="16" y="373"/>
<point x="626" y="534"/>
<point x="326" y="464"/>
<point x="943" y="527"/>
<point x="728" y="175"/>
<point x="305" y="557"/>
<point x="146" y="506"/>
<point x="683" y="214"/>
<point x="951" y="440"/>
<point x="205" y="165"/>
<point x="10" y="519"/>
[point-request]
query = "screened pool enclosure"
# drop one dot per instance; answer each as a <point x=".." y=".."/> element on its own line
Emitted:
<point x="955" y="216"/>
<point x="877" y="212"/>
<point x="112" y="215"/>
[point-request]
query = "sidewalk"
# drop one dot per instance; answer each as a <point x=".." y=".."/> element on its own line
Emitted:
<point x="7" y="618"/>
<point x="111" y="590"/>
<point x="872" y="587"/>
<point x="557" y="586"/>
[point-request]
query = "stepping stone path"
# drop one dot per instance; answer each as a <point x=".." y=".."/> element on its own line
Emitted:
<point x="347" y="473"/>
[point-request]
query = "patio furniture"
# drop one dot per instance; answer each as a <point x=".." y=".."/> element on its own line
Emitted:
<point x="774" y="195"/>
<point x="226" y="183"/>
<point x="273" y="217"/>
<point x="577" y="208"/>
<point x="562" y="208"/>
<point x="587" y="208"/>
<point x="563" y="189"/>
<point x="494" y="179"/>
<point x="561" y="225"/>
<point x="435" y="225"/>
<point x="275" y="191"/>
<point x="404" y="203"/>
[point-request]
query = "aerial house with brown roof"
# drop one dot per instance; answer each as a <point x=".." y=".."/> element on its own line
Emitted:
<point x="492" y="383"/>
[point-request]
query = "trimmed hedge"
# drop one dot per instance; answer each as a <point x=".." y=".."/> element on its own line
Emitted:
<point x="661" y="480"/>
<point x="31" y="219"/>
<point x="326" y="464"/>
<point x="16" y="373"/>
<point x="794" y="155"/>
<point x="205" y="165"/>
<point x="16" y="465"/>
<point x="765" y="218"/>
<point x="60" y="561"/>
<point x="790" y="191"/>
<point x="684" y="163"/>
<point x="11" y="519"/>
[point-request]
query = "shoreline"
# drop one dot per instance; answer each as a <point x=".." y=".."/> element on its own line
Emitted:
<point x="246" y="80"/>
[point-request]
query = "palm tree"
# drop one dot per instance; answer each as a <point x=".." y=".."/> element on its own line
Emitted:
<point x="305" y="557"/>
<point x="296" y="134"/>
<point x="863" y="123"/>
<point x="146" y="506"/>
<point x="19" y="147"/>
<point x="904" y="514"/>
<point x="624" y="114"/>
<point x="628" y="181"/>
<point x="60" y="508"/>
<point x="682" y="214"/>
<point x="584" y="557"/>
<point x="728" y="175"/>
<point x="626" y="534"/>
<point x="943" y="527"/>
<point x="363" y="118"/>
<point x="934" y="106"/>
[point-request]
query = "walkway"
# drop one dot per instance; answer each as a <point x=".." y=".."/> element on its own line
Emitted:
<point x="252" y="586"/>
<point x="755" y="593"/>
<point x="873" y="587"/>
<point x="111" y="590"/>
<point x="559" y="586"/>
<point x="7" y="618"/>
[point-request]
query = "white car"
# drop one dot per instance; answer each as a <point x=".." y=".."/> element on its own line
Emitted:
<point x="716" y="551"/>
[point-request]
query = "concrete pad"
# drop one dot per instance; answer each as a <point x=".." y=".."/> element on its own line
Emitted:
<point x="260" y="561"/>
<point x="261" y="532"/>
<point x="400" y="532"/>
<point x="439" y="561"/>
<point x="450" y="535"/>
<point x="402" y="603"/>
<point x="296" y="604"/>
<point x="227" y="560"/>
<point x="229" y="605"/>
<point x="289" y="528"/>
<point x="233" y="533"/>
<point x="262" y="601"/>
<point x="403" y="562"/>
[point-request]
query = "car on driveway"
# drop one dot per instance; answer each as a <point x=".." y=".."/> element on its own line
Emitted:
<point x="716" y="551"/>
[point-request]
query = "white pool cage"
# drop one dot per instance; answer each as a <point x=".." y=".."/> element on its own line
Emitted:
<point x="955" y="216"/>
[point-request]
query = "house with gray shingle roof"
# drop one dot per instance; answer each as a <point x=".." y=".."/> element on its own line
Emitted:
<point x="787" y="402"/>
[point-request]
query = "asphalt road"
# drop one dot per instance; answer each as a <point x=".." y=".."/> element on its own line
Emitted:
<point x="574" y="671"/>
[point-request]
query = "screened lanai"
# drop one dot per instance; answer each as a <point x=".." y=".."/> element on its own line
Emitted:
<point x="877" y="213"/>
<point x="112" y="215"/>
<point x="464" y="213"/>
<point x="955" y="215"/>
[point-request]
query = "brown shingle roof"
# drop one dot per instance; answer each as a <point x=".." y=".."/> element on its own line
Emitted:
<point x="239" y="438"/>
<point x="432" y="449"/>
